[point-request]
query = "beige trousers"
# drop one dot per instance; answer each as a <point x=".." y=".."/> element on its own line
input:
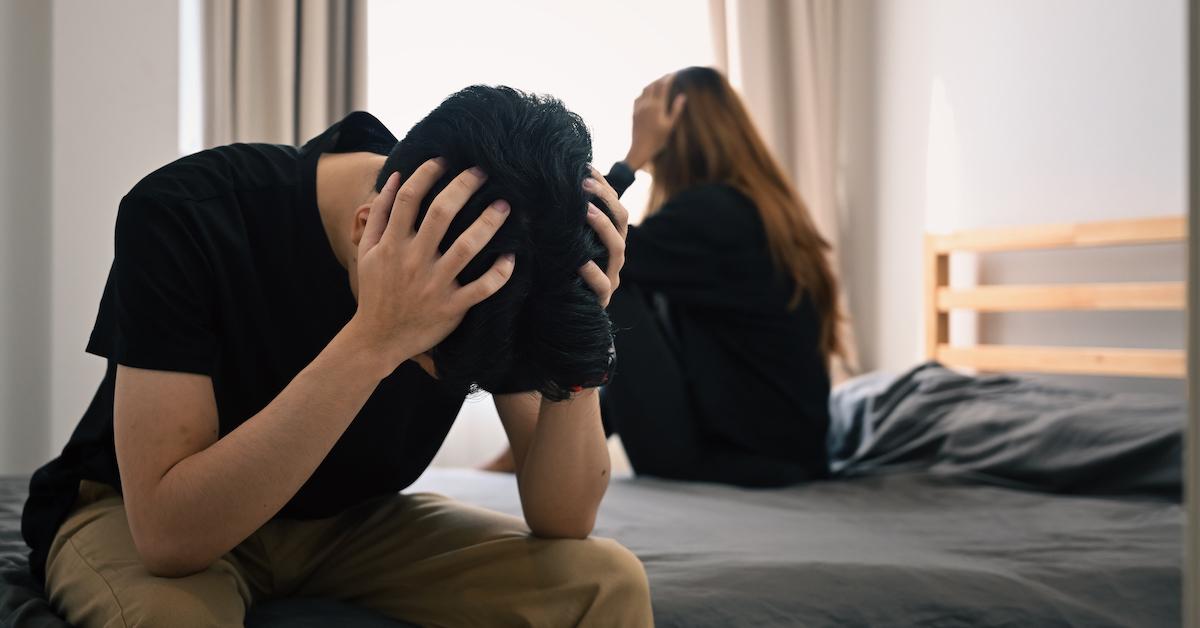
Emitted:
<point x="422" y="558"/>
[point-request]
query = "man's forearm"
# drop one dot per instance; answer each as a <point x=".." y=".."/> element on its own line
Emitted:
<point x="212" y="500"/>
<point x="565" y="470"/>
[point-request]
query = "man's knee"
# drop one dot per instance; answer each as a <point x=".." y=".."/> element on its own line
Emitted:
<point x="609" y="570"/>
<point x="618" y="569"/>
<point x="188" y="602"/>
<point x="115" y="590"/>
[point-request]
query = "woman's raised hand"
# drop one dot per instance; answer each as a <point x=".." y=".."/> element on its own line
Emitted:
<point x="653" y="121"/>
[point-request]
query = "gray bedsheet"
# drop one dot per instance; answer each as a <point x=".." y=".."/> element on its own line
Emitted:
<point x="901" y="550"/>
<point x="896" y="550"/>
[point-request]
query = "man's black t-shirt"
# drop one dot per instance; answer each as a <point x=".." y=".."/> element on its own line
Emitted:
<point x="223" y="268"/>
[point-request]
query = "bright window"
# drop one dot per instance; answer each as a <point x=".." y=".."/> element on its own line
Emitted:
<point x="595" y="57"/>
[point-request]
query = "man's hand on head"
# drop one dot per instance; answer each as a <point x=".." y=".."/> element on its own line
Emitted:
<point x="604" y="282"/>
<point x="408" y="296"/>
<point x="558" y="448"/>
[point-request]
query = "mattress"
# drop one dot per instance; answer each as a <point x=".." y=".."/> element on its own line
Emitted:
<point x="893" y="550"/>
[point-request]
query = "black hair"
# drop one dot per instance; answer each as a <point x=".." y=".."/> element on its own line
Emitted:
<point x="545" y="330"/>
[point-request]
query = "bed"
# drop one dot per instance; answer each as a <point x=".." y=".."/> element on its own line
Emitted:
<point x="957" y="499"/>
<point x="891" y="550"/>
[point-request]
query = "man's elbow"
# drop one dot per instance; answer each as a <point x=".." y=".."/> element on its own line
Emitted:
<point x="578" y="526"/>
<point x="171" y="564"/>
<point x="165" y="556"/>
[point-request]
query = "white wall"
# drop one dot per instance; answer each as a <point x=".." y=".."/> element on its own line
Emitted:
<point x="115" y="118"/>
<point x="24" y="233"/>
<point x="89" y="105"/>
<point x="979" y="113"/>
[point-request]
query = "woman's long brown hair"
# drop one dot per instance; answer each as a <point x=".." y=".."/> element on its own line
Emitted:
<point x="714" y="141"/>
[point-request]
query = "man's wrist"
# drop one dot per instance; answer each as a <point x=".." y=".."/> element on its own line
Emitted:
<point x="361" y="347"/>
<point x="577" y="396"/>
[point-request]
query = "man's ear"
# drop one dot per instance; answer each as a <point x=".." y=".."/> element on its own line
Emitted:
<point x="360" y="223"/>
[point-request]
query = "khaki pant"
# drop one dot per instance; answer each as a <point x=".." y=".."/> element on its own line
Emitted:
<point x="422" y="558"/>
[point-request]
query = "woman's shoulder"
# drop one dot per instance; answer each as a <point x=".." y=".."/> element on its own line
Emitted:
<point x="717" y="195"/>
<point x="721" y="206"/>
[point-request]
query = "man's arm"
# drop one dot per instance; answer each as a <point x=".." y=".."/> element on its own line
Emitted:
<point x="561" y="459"/>
<point x="559" y="449"/>
<point x="190" y="497"/>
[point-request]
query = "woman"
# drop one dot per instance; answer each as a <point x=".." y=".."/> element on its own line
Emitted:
<point x="726" y="316"/>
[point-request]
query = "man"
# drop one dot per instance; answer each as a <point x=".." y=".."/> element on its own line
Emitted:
<point x="290" y="334"/>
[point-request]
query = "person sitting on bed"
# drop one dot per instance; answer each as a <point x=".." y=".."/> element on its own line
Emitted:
<point x="290" y="334"/>
<point x="727" y="314"/>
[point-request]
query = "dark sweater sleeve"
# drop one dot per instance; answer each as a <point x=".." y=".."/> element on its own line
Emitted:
<point x="620" y="177"/>
<point x="697" y="248"/>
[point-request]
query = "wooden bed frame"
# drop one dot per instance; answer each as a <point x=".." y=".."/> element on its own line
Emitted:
<point x="940" y="299"/>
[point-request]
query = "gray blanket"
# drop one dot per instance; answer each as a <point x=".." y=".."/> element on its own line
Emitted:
<point x="1011" y="431"/>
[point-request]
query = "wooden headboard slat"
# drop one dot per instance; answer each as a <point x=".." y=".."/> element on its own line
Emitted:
<point x="1166" y="295"/>
<point x="1107" y="233"/>
<point x="1077" y="360"/>
<point x="940" y="299"/>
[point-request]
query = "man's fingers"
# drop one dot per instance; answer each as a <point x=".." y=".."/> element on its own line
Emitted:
<point x="381" y="209"/>
<point x="598" y="185"/>
<point x="612" y="236"/>
<point x="487" y="285"/>
<point x="472" y="241"/>
<point x="597" y="281"/>
<point x="446" y="206"/>
<point x="609" y="236"/>
<point x="408" y="199"/>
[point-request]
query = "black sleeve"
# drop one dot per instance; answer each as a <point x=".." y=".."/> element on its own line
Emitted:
<point x="157" y="309"/>
<point x="701" y="247"/>
<point x="620" y="177"/>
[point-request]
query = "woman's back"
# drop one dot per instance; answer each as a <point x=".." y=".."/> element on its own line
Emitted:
<point x="754" y="365"/>
<point x="727" y="310"/>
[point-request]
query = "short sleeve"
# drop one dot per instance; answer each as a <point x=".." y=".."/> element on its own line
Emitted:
<point x="157" y="309"/>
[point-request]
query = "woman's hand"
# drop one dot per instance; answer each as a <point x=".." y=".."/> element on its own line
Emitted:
<point x="652" y="122"/>
<point x="408" y="296"/>
<point x="605" y="282"/>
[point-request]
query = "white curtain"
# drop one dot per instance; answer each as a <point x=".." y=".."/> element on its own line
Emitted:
<point x="281" y="71"/>
<point x="782" y="56"/>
